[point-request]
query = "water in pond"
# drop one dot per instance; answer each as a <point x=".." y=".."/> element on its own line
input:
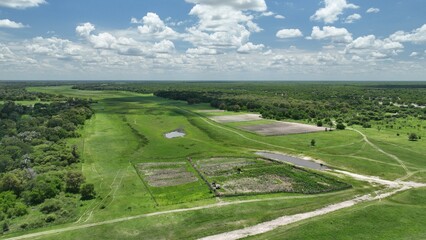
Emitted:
<point x="174" y="134"/>
<point x="292" y="160"/>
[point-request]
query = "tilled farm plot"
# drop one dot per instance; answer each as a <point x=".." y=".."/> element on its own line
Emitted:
<point x="236" y="118"/>
<point x="166" y="174"/>
<point x="282" y="128"/>
<point x="239" y="176"/>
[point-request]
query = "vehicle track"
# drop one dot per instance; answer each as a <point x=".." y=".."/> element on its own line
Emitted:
<point x="401" y="163"/>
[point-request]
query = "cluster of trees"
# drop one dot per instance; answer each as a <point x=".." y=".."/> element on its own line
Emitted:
<point x="352" y="103"/>
<point x="37" y="166"/>
<point x="355" y="104"/>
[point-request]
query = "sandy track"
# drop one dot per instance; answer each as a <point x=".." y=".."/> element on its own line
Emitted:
<point x="393" y="187"/>
<point x="124" y="219"/>
<point x="382" y="151"/>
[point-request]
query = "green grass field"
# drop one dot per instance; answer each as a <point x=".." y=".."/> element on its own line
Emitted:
<point x="128" y="130"/>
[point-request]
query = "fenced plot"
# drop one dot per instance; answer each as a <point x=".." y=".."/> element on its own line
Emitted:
<point x="236" y="118"/>
<point x="282" y="128"/>
<point x="242" y="176"/>
<point x="166" y="174"/>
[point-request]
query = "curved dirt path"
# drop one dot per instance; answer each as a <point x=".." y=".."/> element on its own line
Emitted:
<point x="124" y="219"/>
<point x="401" y="163"/>
<point x="235" y="132"/>
<point x="393" y="187"/>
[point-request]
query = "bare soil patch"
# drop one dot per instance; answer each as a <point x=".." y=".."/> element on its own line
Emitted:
<point x="166" y="174"/>
<point x="223" y="166"/>
<point x="260" y="184"/>
<point x="231" y="176"/>
<point x="211" y="111"/>
<point x="282" y="128"/>
<point x="236" y="118"/>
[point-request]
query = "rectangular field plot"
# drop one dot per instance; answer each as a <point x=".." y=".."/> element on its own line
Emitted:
<point x="166" y="174"/>
<point x="282" y="128"/>
<point x="236" y="118"/>
<point x="238" y="176"/>
<point x="172" y="182"/>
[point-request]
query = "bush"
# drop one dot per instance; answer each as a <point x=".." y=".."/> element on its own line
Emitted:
<point x="340" y="126"/>
<point x="50" y="218"/>
<point x="50" y="205"/>
<point x="413" y="137"/>
<point x="87" y="191"/>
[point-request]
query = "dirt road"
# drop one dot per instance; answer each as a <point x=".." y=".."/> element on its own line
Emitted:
<point x="393" y="187"/>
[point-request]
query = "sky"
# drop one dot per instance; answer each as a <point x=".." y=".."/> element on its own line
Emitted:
<point x="213" y="40"/>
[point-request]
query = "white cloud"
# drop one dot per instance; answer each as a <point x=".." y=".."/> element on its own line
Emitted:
<point x="417" y="36"/>
<point x="122" y="44"/>
<point x="279" y="16"/>
<point x="352" y="18"/>
<point x="201" y="51"/>
<point x="165" y="46"/>
<point x="373" y="47"/>
<point x="241" y="5"/>
<point x="85" y="29"/>
<point x="250" y="47"/>
<point x="414" y="54"/>
<point x="223" y="24"/>
<point x="289" y="33"/>
<point x="373" y="10"/>
<point x="6" y="23"/>
<point x="153" y="26"/>
<point x="21" y="4"/>
<point x="339" y="35"/>
<point x="268" y="14"/>
<point x="332" y="10"/>
<point x="54" y="47"/>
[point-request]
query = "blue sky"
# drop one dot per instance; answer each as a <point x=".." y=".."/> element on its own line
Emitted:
<point x="213" y="39"/>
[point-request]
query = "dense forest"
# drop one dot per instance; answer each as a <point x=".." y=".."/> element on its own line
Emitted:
<point x="352" y="103"/>
<point x="39" y="171"/>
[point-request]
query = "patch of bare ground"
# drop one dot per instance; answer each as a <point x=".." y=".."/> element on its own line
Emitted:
<point x="282" y="128"/>
<point x="260" y="184"/>
<point x="222" y="166"/>
<point x="210" y="111"/>
<point x="236" y="118"/>
<point x="166" y="174"/>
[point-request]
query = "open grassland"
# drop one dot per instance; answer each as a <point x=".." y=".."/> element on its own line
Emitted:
<point x="124" y="143"/>
<point x="399" y="217"/>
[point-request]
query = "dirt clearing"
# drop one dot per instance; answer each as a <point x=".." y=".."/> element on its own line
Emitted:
<point x="282" y="128"/>
<point x="166" y="174"/>
<point x="236" y="118"/>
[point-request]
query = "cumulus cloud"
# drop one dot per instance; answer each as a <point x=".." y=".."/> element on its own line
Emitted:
<point x="416" y="36"/>
<point x="373" y="47"/>
<point x="373" y="10"/>
<point x="352" y="18"/>
<point x="54" y="47"/>
<point x="201" y="51"/>
<point x="339" y="35"/>
<point x="241" y="5"/>
<point x="332" y="10"/>
<point x="153" y="26"/>
<point x="414" y="54"/>
<point x="279" y="16"/>
<point x="224" y="24"/>
<point x="289" y="33"/>
<point x="6" y="23"/>
<point x="250" y="47"/>
<point x="122" y="44"/>
<point x="85" y="29"/>
<point x="21" y="4"/>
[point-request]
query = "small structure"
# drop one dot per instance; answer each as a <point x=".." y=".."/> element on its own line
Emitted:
<point x="215" y="185"/>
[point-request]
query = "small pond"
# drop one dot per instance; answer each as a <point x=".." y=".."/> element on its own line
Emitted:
<point x="175" y="134"/>
<point x="293" y="160"/>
